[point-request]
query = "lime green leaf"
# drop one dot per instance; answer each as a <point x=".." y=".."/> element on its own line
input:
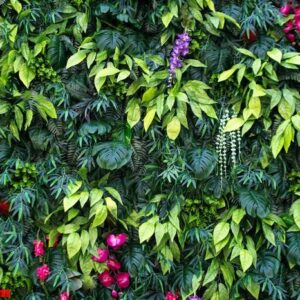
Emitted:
<point x="220" y="232"/>
<point x="95" y="196"/>
<point x="112" y="207"/>
<point x="277" y="144"/>
<point x="16" y="5"/>
<point x="294" y="60"/>
<point x="238" y="215"/>
<point x="149" y="117"/>
<point x="123" y="75"/>
<point x="133" y="112"/>
<point x="212" y="272"/>
<point x="296" y="122"/>
<point x="149" y="94"/>
<point x="275" y="54"/>
<point x="227" y="74"/>
<point x="256" y="66"/>
<point x="111" y="70"/>
<point x="234" y="124"/>
<point x="268" y="233"/>
<point x="75" y="59"/>
<point x="70" y="201"/>
<point x="146" y="230"/>
<point x="115" y="194"/>
<point x="173" y="128"/>
<point x="14" y="130"/>
<point x="167" y="18"/>
<point x="85" y="240"/>
<point x="295" y="210"/>
<point x="26" y="75"/>
<point x="29" y="115"/>
<point x="245" y="259"/>
<point x="100" y="216"/>
<point x="73" y="244"/>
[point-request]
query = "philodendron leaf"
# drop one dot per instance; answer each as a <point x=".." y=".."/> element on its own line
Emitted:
<point x="220" y="232"/>
<point x="245" y="259"/>
<point x="73" y="244"/>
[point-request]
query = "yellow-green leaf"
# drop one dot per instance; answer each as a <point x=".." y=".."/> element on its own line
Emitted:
<point x="73" y="244"/>
<point x="245" y="259"/>
<point x="76" y="59"/>
<point x="26" y="75"/>
<point x="220" y="232"/>
<point x="234" y="124"/>
<point x="173" y="128"/>
<point x="275" y="54"/>
<point x="149" y="117"/>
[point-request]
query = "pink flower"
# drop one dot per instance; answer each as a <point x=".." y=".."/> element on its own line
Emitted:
<point x="285" y="10"/>
<point x="291" y="37"/>
<point x="113" y="264"/>
<point x="102" y="255"/>
<point x="288" y="26"/>
<point x="43" y="272"/>
<point x="39" y="249"/>
<point x="116" y="241"/>
<point x="123" y="280"/>
<point x="171" y="296"/>
<point x="297" y="22"/>
<point x="64" y="296"/>
<point x="297" y="11"/>
<point x="114" y="294"/>
<point x="106" y="279"/>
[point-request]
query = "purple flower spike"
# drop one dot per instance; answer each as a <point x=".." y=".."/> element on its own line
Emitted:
<point x="180" y="50"/>
<point x="194" y="298"/>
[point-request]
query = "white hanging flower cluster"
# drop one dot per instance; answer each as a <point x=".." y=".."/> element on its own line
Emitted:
<point x="228" y="145"/>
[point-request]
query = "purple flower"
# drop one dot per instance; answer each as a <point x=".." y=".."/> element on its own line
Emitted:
<point x="194" y="298"/>
<point x="180" y="50"/>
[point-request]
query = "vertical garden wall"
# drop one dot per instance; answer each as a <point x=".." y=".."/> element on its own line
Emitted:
<point x="149" y="150"/>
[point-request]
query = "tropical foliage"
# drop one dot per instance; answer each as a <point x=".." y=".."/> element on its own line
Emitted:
<point x="150" y="149"/>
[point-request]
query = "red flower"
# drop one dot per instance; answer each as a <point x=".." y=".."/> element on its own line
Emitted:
<point x="64" y="296"/>
<point x="123" y="280"/>
<point x="43" y="272"/>
<point x="106" y="279"/>
<point x="288" y="26"/>
<point x="114" y="294"/>
<point x="297" y="22"/>
<point x="291" y="37"/>
<point x="116" y="241"/>
<point x="4" y="208"/>
<point x="285" y="10"/>
<point x="113" y="264"/>
<point x="102" y="255"/>
<point x="39" y="249"/>
<point x="250" y="38"/>
<point x="171" y="296"/>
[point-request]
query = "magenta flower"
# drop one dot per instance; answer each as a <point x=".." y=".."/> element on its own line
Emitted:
<point x="297" y="22"/>
<point x="39" y="249"/>
<point x="123" y="280"/>
<point x="297" y="11"/>
<point x="102" y="255"/>
<point x="116" y="241"/>
<point x="288" y="27"/>
<point x="291" y="37"/>
<point x="106" y="279"/>
<point x="43" y="272"/>
<point x="285" y="10"/>
<point x="114" y="294"/>
<point x="171" y="296"/>
<point x="64" y="296"/>
<point x="113" y="264"/>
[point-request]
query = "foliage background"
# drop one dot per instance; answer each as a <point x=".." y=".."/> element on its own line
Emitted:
<point x="203" y="176"/>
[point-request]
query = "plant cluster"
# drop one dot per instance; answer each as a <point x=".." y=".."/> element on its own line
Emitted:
<point x="149" y="149"/>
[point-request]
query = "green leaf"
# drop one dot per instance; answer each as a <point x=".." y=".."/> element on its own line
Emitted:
<point x="114" y="193"/>
<point x="16" y="5"/>
<point x="70" y="201"/>
<point x="227" y="74"/>
<point x="73" y="244"/>
<point x="85" y="240"/>
<point x="112" y="207"/>
<point x="245" y="259"/>
<point x="173" y="128"/>
<point x="29" y="115"/>
<point x="220" y="232"/>
<point x="268" y="233"/>
<point x="67" y="229"/>
<point x="160" y="231"/>
<point x="296" y="122"/>
<point x="100" y="216"/>
<point x="275" y="54"/>
<point x="277" y="144"/>
<point x="238" y="215"/>
<point x="112" y="155"/>
<point x="123" y="75"/>
<point x="146" y="230"/>
<point x="212" y="272"/>
<point x="167" y="18"/>
<point x="256" y="66"/>
<point x="149" y="118"/>
<point x="111" y="70"/>
<point x="95" y="196"/>
<point x="295" y="210"/>
<point x="234" y="124"/>
<point x="294" y="60"/>
<point x="76" y="59"/>
<point x="26" y="74"/>
<point x="149" y="94"/>
<point x="246" y="52"/>
<point x="255" y="203"/>
<point x="133" y="112"/>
